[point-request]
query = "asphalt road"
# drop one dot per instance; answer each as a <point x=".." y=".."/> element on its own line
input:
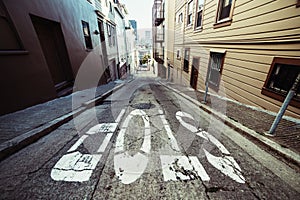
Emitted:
<point x="146" y="142"/>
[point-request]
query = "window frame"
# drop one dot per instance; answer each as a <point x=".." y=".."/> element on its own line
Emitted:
<point x="108" y="27"/>
<point x="180" y="18"/>
<point x="276" y="95"/>
<point x="87" y="35"/>
<point x="189" y="15"/>
<point x="20" y="49"/>
<point x="178" y="54"/>
<point x="224" y="21"/>
<point x="197" y="15"/>
<point x="110" y="7"/>
<point x="186" y="68"/>
<point x="213" y="86"/>
<point x="113" y="35"/>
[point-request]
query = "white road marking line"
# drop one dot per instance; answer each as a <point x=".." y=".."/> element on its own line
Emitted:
<point x="146" y="146"/>
<point x="188" y="126"/>
<point x="182" y="167"/>
<point x="226" y="164"/>
<point x="103" y="128"/>
<point x="127" y="167"/>
<point x="78" y="143"/>
<point x="75" y="167"/>
<point x="212" y="139"/>
<point x="78" y="167"/>
<point x="120" y="141"/>
<point x="105" y="143"/>
<point x="173" y="141"/>
<point x="120" y="116"/>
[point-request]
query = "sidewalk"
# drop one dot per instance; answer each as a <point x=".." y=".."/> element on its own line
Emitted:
<point x="250" y="121"/>
<point x="23" y="127"/>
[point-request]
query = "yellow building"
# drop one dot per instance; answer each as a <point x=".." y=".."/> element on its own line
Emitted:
<point x="247" y="50"/>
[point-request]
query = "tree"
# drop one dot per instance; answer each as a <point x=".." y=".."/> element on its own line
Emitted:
<point x="145" y="58"/>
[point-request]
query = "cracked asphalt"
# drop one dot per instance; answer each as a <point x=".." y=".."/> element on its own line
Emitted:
<point x="179" y="156"/>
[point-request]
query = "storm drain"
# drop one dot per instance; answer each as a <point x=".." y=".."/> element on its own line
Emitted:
<point x="143" y="106"/>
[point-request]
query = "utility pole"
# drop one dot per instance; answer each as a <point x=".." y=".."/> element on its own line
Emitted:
<point x="206" y="86"/>
<point x="285" y="104"/>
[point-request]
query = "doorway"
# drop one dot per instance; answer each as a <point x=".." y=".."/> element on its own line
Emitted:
<point x="194" y="73"/>
<point x="106" y="76"/>
<point x="55" y="52"/>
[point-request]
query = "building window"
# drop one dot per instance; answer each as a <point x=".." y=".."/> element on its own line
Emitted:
<point x="9" y="39"/>
<point x="178" y="54"/>
<point x="215" y="69"/>
<point x="109" y="34"/>
<point x="225" y="8"/>
<point x="199" y="15"/>
<point x="110" y="7"/>
<point x="280" y="79"/>
<point x="180" y="18"/>
<point x="186" y="60"/>
<point x="189" y="13"/>
<point x="108" y="30"/>
<point x="87" y="35"/>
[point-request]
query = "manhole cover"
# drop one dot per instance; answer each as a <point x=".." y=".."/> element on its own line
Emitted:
<point x="143" y="106"/>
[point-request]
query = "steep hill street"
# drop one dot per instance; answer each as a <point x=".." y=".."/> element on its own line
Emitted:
<point x="146" y="142"/>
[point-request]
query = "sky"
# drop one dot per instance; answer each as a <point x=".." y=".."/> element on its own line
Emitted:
<point x="141" y="11"/>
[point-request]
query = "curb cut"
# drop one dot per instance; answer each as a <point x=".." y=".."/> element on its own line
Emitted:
<point x="287" y="154"/>
<point x="12" y="146"/>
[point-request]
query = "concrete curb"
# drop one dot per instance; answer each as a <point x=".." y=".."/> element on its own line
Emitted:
<point x="287" y="154"/>
<point x="12" y="146"/>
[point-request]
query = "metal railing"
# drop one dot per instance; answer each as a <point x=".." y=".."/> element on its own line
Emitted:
<point x="158" y="12"/>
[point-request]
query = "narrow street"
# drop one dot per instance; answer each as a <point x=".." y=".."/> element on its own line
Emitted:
<point x="146" y="142"/>
<point x="151" y="99"/>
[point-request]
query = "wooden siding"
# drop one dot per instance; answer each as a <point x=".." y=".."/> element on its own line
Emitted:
<point x="260" y="31"/>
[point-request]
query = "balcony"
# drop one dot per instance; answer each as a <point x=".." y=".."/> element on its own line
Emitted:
<point x="158" y="12"/>
<point x="159" y="37"/>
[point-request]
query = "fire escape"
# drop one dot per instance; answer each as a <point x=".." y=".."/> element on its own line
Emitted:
<point x="158" y="31"/>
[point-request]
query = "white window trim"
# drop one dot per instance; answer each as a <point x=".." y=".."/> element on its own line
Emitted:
<point x="179" y="19"/>
<point x="218" y="50"/>
<point x="190" y="12"/>
<point x="227" y="19"/>
<point x="197" y="28"/>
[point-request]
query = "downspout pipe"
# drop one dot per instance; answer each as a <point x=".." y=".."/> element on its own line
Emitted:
<point x="284" y="106"/>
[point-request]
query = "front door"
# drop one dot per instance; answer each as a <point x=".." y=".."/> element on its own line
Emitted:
<point x="194" y="73"/>
<point x="55" y="52"/>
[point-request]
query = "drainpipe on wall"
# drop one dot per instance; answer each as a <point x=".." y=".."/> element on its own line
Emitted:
<point x="285" y="104"/>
